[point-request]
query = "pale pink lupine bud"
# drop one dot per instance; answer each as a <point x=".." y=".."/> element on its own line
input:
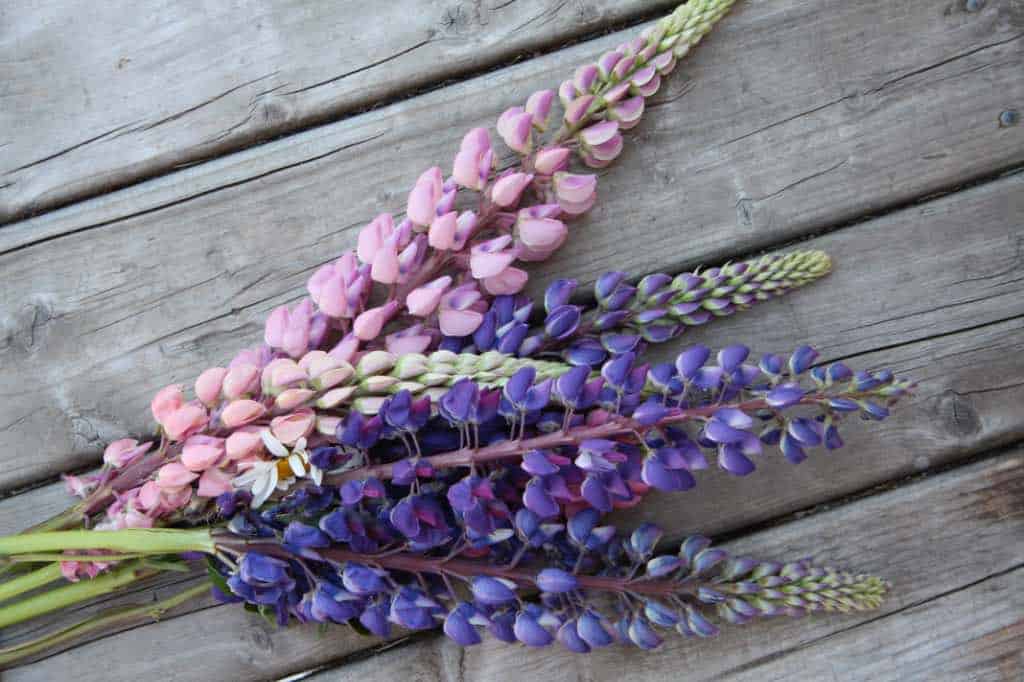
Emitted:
<point x="123" y="452"/>
<point x="550" y="160"/>
<point x="442" y="231"/>
<point x="627" y="112"/>
<point x="566" y="92"/>
<point x="214" y="483"/>
<point x="148" y="498"/>
<point x="209" y="384"/>
<point x="412" y="256"/>
<point x="243" y="442"/>
<point x="407" y="341"/>
<point x="239" y="412"/>
<point x="318" y="329"/>
<point x="174" y="475"/>
<point x="515" y="127"/>
<point x="623" y="67"/>
<point x="599" y="133"/>
<point x="508" y="189"/>
<point x="241" y="379"/>
<point x="295" y="340"/>
<point x="577" y="109"/>
<point x="369" y="324"/>
<point x="292" y="398"/>
<point x="585" y="77"/>
<point x="474" y="161"/>
<point x="642" y="79"/>
<point x="257" y="356"/>
<point x="508" y="281"/>
<point x="290" y="428"/>
<point x="281" y="374"/>
<point x="539" y="211"/>
<point x="607" y="62"/>
<point x="385" y="264"/>
<point x="315" y="359"/>
<point x="465" y="229"/>
<point x="332" y="377"/>
<point x="423" y="300"/>
<point x="167" y="400"/>
<point x="328" y="289"/>
<point x="538" y="105"/>
<point x="457" y="316"/>
<point x="447" y="201"/>
<point x="201" y="452"/>
<point x="617" y="92"/>
<point x="185" y="421"/>
<point x="576" y="193"/>
<point x="424" y="196"/>
<point x="277" y="323"/>
<point x="373" y="235"/>
<point x="345" y="349"/>
<point x="489" y="258"/>
<point x="664" y="62"/>
<point x="540" y="237"/>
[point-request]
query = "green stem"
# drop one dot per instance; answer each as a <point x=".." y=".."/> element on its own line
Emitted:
<point x="129" y="541"/>
<point x="126" y="617"/>
<point x="67" y="556"/>
<point x="29" y="581"/>
<point x="72" y="593"/>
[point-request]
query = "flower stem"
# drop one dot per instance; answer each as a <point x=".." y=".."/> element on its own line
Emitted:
<point x="29" y="581"/>
<point x="126" y="617"/>
<point x="72" y="593"/>
<point x="130" y="541"/>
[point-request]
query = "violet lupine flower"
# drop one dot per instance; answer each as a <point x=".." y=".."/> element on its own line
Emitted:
<point x="554" y="589"/>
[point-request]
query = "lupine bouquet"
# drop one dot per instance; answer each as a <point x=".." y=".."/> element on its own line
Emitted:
<point x="418" y="444"/>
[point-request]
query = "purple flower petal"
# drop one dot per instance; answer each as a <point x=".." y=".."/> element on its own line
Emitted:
<point x="591" y="629"/>
<point x="558" y="293"/>
<point x="555" y="580"/>
<point x="492" y="591"/>
<point x="720" y="432"/>
<point x="732" y="459"/>
<point x="691" y="360"/>
<point x="538" y="501"/>
<point x="528" y="631"/>
<point x="785" y="395"/>
<point x="570" y="638"/>
<point x="536" y="462"/>
<point x="595" y="494"/>
<point x="458" y="627"/>
<point x="731" y="357"/>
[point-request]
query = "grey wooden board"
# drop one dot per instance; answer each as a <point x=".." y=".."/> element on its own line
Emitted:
<point x="938" y="427"/>
<point x="98" y="95"/>
<point x="952" y="545"/>
<point x="164" y="278"/>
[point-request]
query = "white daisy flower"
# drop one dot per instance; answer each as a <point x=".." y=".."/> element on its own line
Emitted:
<point x="267" y="476"/>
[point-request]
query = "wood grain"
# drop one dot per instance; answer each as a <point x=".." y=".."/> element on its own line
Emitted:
<point x="100" y="95"/>
<point x="147" y="286"/>
<point x="950" y="544"/>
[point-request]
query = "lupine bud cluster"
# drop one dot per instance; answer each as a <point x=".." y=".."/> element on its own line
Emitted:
<point x="658" y="308"/>
<point x="558" y="585"/>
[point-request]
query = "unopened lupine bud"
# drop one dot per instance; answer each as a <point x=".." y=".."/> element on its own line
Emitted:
<point x="489" y="258"/>
<point x="209" y="383"/>
<point x="539" y="238"/>
<point x="372" y="236"/>
<point x="442" y="231"/>
<point x="166" y="401"/>
<point x="515" y="127"/>
<point x="185" y="421"/>
<point x="509" y="281"/>
<point x="538" y="105"/>
<point x="369" y="323"/>
<point x="123" y="452"/>
<point x="473" y="162"/>
<point x="239" y="412"/>
<point x="576" y="193"/>
<point x="291" y="427"/>
<point x="509" y="188"/>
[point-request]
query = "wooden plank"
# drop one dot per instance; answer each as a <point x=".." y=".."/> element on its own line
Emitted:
<point x="138" y="302"/>
<point x="980" y="364"/>
<point x="972" y="634"/>
<point x="950" y="544"/>
<point x="94" y="102"/>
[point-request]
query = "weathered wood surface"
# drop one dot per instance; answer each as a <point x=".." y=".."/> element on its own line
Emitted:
<point x="149" y="91"/>
<point x="951" y="545"/>
<point x="168" y="276"/>
<point x="968" y="400"/>
<point x="795" y="117"/>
